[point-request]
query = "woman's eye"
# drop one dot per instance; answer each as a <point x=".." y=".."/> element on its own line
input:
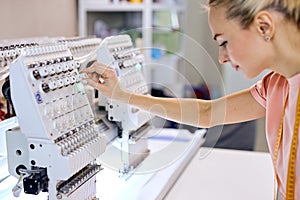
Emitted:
<point x="223" y="44"/>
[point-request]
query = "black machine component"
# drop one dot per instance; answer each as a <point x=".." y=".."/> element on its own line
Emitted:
<point x="120" y="132"/>
<point x="74" y="182"/>
<point x="37" y="181"/>
<point x="7" y="95"/>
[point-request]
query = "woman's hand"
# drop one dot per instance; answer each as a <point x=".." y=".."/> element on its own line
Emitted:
<point x="104" y="79"/>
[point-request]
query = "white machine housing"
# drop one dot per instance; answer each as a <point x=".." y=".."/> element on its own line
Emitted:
<point x="81" y="47"/>
<point x="118" y="52"/>
<point x="57" y="135"/>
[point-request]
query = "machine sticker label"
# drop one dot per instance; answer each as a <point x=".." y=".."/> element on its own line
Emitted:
<point x="117" y="72"/>
<point x="38" y="97"/>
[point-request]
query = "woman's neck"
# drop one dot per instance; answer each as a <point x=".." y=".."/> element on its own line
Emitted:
<point x="287" y="58"/>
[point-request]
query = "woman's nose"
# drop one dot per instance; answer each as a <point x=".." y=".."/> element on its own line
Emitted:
<point x="223" y="57"/>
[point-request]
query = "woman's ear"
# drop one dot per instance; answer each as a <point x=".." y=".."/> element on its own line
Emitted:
<point x="265" y="24"/>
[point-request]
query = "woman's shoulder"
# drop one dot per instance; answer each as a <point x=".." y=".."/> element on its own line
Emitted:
<point x="274" y="75"/>
<point x="272" y="83"/>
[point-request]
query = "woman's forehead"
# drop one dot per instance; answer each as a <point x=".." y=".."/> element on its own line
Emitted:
<point x="216" y="19"/>
<point x="217" y="14"/>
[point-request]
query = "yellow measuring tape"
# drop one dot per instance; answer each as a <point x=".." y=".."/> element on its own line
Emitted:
<point x="290" y="186"/>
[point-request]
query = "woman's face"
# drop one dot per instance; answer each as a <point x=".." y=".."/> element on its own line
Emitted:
<point x="244" y="49"/>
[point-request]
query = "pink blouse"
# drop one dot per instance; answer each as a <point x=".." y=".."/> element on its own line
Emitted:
<point x="271" y="92"/>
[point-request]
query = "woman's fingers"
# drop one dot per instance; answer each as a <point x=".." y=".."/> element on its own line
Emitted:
<point x="95" y="84"/>
<point x="100" y="69"/>
<point x="94" y="76"/>
<point x="103" y="78"/>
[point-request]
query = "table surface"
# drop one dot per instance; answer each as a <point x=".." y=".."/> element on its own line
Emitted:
<point x="215" y="174"/>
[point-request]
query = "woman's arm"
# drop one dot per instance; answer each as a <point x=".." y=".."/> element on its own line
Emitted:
<point x="238" y="107"/>
<point x="233" y="108"/>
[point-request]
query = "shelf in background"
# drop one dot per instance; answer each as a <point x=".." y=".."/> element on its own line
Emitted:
<point x="157" y="22"/>
<point x="165" y="6"/>
<point x="96" y="5"/>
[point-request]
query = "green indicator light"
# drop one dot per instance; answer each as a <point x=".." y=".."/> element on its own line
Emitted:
<point x="80" y="87"/>
<point x="138" y="67"/>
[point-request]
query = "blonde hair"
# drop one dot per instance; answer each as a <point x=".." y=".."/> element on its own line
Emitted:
<point x="245" y="10"/>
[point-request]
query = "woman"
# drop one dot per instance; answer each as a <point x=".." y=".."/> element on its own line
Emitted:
<point x="253" y="35"/>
